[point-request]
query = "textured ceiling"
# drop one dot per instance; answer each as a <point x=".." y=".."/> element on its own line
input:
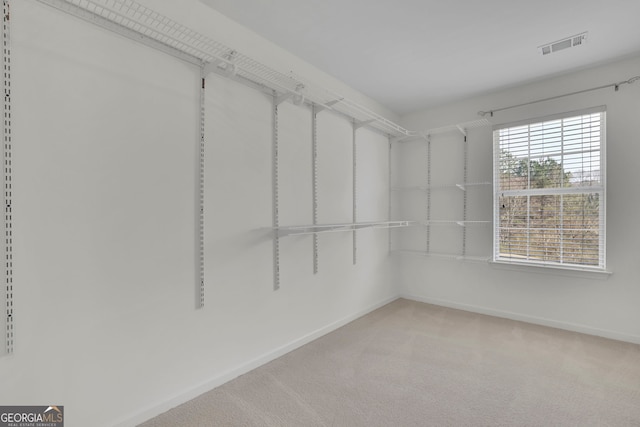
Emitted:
<point x="414" y="54"/>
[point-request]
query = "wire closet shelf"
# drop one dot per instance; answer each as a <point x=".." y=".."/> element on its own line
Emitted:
<point x="140" y="23"/>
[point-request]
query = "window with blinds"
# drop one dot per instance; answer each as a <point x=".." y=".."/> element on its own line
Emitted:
<point x="550" y="191"/>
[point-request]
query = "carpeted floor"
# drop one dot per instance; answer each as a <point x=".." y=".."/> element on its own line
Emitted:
<point x="415" y="364"/>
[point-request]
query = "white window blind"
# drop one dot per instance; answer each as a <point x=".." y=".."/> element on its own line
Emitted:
<point x="550" y="191"/>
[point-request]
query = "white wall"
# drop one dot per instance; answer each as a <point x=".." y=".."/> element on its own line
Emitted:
<point x="590" y="304"/>
<point x="105" y="135"/>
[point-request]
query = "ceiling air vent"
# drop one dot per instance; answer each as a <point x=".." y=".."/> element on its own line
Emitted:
<point x="572" y="41"/>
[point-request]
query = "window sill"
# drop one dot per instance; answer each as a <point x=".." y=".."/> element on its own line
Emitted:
<point x="586" y="272"/>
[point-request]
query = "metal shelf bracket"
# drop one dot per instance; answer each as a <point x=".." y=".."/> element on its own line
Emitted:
<point x="220" y="67"/>
<point x="297" y="97"/>
<point x="282" y="98"/>
<point x="358" y="124"/>
<point x="327" y="105"/>
<point x="412" y="136"/>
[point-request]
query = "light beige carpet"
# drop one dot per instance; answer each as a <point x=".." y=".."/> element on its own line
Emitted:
<point x="414" y="364"/>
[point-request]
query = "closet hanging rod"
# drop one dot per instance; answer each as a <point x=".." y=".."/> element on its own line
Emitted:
<point x="616" y="86"/>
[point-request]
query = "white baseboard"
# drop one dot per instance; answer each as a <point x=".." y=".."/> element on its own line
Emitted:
<point x="229" y="375"/>
<point x="529" y="319"/>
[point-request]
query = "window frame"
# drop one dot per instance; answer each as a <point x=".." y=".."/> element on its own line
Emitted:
<point x="599" y="189"/>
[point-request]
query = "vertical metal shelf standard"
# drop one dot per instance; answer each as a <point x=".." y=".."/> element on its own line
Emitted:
<point x="428" y="193"/>
<point x="389" y="184"/>
<point x="464" y="192"/>
<point x="354" y="155"/>
<point x="275" y="192"/>
<point x="8" y="167"/>
<point x="200" y="191"/>
<point x="314" y="180"/>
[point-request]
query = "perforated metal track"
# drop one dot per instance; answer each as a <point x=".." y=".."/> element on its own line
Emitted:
<point x="275" y="194"/>
<point x="314" y="181"/>
<point x="8" y="196"/>
<point x="200" y="207"/>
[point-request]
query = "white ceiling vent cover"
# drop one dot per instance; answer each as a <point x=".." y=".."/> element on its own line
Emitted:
<point x="573" y="41"/>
